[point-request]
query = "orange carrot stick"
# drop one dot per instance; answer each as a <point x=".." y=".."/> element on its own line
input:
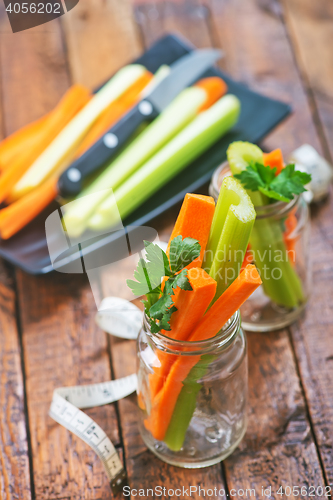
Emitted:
<point x="19" y="141"/>
<point x="215" y="88"/>
<point x="274" y="159"/>
<point x="194" y="221"/>
<point x="248" y="257"/>
<point x="74" y="100"/>
<point x="211" y="323"/>
<point x="191" y="305"/>
<point x="24" y="210"/>
<point x="114" y="112"/>
<point x="289" y="238"/>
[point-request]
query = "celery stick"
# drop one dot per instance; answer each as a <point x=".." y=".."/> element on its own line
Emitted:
<point x="280" y="280"/>
<point x="185" y="406"/>
<point x="198" y="136"/>
<point x="178" y="114"/>
<point x="267" y="238"/>
<point x="63" y="146"/>
<point x="229" y="236"/>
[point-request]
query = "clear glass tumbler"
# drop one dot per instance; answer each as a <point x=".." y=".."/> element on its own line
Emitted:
<point x="279" y="246"/>
<point x="192" y="396"/>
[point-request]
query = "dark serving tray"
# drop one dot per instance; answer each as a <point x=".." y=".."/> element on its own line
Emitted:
<point x="259" y="114"/>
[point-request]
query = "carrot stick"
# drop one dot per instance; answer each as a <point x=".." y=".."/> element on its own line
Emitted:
<point x="274" y="159"/>
<point x="194" y="221"/>
<point x="215" y="88"/>
<point x="230" y="301"/>
<point x="19" y="141"/>
<point x="191" y="305"/>
<point x="114" y="112"/>
<point x="248" y="258"/>
<point x="74" y="100"/>
<point x="24" y="210"/>
<point x="289" y="238"/>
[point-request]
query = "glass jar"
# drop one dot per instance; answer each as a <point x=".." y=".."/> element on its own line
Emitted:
<point x="279" y="246"/>
<point x="192" y="396"/>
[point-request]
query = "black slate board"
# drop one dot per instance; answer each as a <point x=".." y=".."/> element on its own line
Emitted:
<point x="259" y="115"/>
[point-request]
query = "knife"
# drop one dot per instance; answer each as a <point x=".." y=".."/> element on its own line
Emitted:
<point x="182" y="73"/>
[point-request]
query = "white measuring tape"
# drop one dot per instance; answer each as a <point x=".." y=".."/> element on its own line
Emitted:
<point x="65" y="410"/>
<point x="123" y="319"/>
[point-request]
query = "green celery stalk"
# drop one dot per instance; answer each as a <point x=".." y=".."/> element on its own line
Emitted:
<point x="267" y="238"/>
<point x="185" y="406"/>
<point x="229" y="236"/>
<point x="175" y="117"/>
<point x="197" y="137"/>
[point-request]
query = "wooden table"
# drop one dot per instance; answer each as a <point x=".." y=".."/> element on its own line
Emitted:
<point x="48" y="337"/>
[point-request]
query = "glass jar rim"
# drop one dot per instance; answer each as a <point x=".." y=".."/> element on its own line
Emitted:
<point x="262" y="211"/>
<point x="189" y="348"/>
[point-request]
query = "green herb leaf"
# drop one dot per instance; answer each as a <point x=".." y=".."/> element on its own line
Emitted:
<point x="143" y="285"/>
<point x="157" y="263"/>
<point x="163" y="308"/>
<point x="150" y="272"/>
<point x="181" y="281"/>
<point x="290" y="182"/>
<point x="183" y="252"/>
<point x="273" y="194"/>
<point x="258" y="177"/>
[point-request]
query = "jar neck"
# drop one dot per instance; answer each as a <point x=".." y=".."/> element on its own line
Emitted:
<point x="221" y="340"/>
<point x="276" y="209"/>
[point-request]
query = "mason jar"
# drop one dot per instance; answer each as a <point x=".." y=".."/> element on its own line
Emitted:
<point x="279" y="247"/>
<point x="192" y="396"/>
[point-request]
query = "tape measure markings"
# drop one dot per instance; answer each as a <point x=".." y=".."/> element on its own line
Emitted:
<point x="65" y="409"/>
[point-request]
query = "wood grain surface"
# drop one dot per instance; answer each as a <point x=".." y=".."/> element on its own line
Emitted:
<point x="310" y="27"/>
<point x="14" y="460"/>
<point x="14" y="453"/>
<point x="48" y="337"/>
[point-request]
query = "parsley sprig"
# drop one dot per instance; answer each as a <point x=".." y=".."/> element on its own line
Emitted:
<point x="258" y="177"/>
<point x="151" y="271"/>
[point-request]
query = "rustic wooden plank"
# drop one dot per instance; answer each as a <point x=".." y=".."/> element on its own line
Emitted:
<point x="14" y="459"/>
<point x="278" y="449"/>
<point x="279" y="437"/>
<point x="257" y="53"/>
<point x="62" y="345"/>
<point x="310" y="27"/>
<point x="185" y="17"/>
<point x="313" y="337"/>
<point x="14" y="454"/>
<point x="310" y="30"/>
<point x="101" y="37"/>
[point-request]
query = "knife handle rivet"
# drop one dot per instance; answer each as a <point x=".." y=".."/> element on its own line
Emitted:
<point x="145" y="108"/>
<point x="74" y="174"/>
<point x="110" y="140"/>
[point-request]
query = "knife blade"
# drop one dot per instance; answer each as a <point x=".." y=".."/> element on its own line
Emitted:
<point x="183" y="72"/>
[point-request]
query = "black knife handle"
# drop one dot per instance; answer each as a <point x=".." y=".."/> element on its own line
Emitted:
<point x="70" y="181"/>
